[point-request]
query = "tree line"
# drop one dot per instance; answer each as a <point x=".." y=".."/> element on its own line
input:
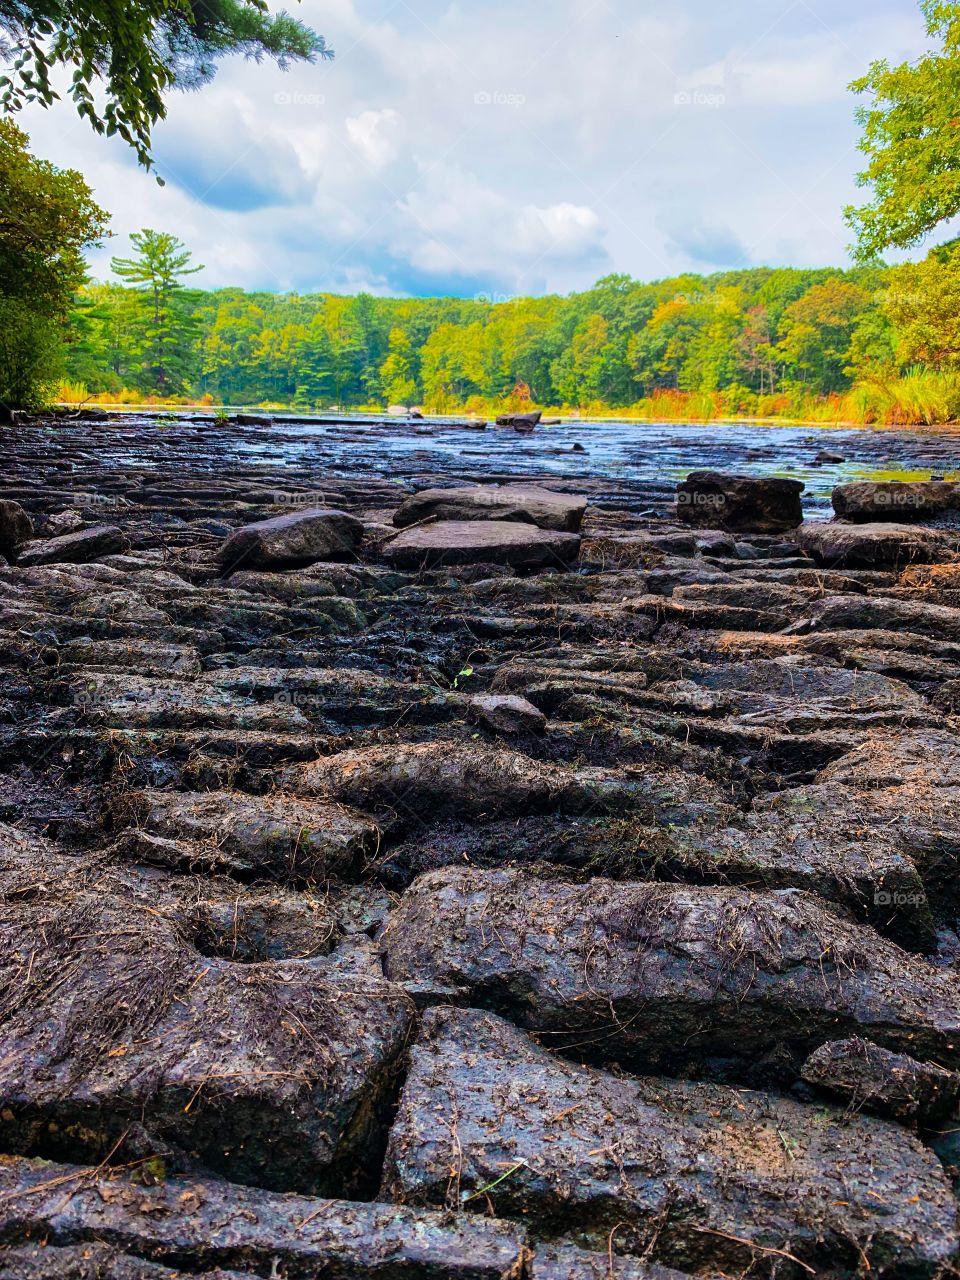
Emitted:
<point x="883" y="340"/>
<point x="759" y="339"/>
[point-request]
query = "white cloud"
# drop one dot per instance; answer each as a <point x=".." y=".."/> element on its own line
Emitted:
<point x="375" y="135"/>
<point x="452" y="223"/>
<point x="463" y="148"/>
<point x="558" y="231"/>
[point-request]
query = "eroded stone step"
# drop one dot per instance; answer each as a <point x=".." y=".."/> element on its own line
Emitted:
<point x="700" y="1176"/>
<point x="664" y="976"/>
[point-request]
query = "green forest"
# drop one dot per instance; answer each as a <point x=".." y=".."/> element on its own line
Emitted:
<point x="869" y="343"/>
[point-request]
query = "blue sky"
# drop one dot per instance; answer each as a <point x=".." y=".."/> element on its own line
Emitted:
<point x="510" y="148"/>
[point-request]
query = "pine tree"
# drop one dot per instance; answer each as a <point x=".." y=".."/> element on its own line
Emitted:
<point x="157" y="271"/>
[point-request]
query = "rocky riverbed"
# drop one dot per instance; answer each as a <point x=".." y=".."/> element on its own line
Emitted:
<point x="433" y="853"/>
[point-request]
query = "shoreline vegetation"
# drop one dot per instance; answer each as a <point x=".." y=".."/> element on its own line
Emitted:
<point x="872" y="345"/>
<point x="693" y="410"/>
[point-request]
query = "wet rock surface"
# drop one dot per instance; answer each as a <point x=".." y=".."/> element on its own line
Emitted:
<point x="664" y="976"/>
<point x="874" y="1078"/>
<point x="286" y="542"/>
<point x="16" y="528"/>
<point x="871" y="545"/>
<point x="868" y="501"/>
<point x="80" y="546"/>
<point x="719" y="500"/>
<point x="546" y="509"/>
<point x="217" y="1225"/>
<point x="719" y="1174"/>
<point x="566" y="893"/>
<point x="503" y="542"/>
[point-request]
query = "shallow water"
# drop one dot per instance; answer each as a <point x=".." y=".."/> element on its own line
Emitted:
<point x="654" y="455"/>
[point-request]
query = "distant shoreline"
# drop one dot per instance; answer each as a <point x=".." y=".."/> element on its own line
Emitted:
<point x="363" y="415"/>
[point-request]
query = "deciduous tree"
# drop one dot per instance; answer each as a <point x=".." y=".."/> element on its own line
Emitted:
<point x="135" y="53"/>
<point x="911" y="141"/>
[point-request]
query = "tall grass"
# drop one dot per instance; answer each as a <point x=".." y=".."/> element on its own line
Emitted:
<point x="919" y="397"/>
<point x="73" y="393"/>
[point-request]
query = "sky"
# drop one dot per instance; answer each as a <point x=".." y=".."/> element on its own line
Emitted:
<point x="489" y="149"/>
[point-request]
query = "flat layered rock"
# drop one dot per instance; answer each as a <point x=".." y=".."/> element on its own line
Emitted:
<point x="341" y="695"/>
<point x="94" y="1262"/>
<point x="79" y="547"/>
<point x="292" y="541"/>
<point x="893" y="1084"/>
<point x="114" y="1027"/>
<point x="541" y="507"/>
<point x="218" y="916"/>
<point x="861" y="613"/>
<point x="431" y="780"/>
<point x="141" y="657"/>
<point x="797" y="679"/>
<point x="501" y="542"/>
<point x="567" y="1262"/>
<point x="208" y="1225"/>
<point x="928" y="759"/>
<point x="215" y="914"/>
<point x="921" y="818"/>
<point x="871" y="545"/>
<point x="663" y="976"/>
<point x="129" y="700"/>
<point x="696" y="1175"/>
<point x="868" y="500"/>
<point x="807" y="838"/>
<point x="720" y="500"/>
<point x="281" y="837"/>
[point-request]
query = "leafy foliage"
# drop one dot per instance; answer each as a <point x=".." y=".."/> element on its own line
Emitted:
<point x="161" y="329"/>
<point x="923" y="302"/>
<point x="138" y="52"/>
<point x="31" y="355"/>
<point x="911" y="141"/>
<point x="742" y="335"/>
<point x="47" y="219"/>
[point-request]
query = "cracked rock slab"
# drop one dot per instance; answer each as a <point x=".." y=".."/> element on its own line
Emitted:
<point x="500" y="542"/>
<point x="701" y="1175"/>
<point x="113" y="1024"/>
<point x="541" y="507"/>
<point x="665" y="976"/>
<point x="208" y="1225"/>
<point x="283" y="838"/>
